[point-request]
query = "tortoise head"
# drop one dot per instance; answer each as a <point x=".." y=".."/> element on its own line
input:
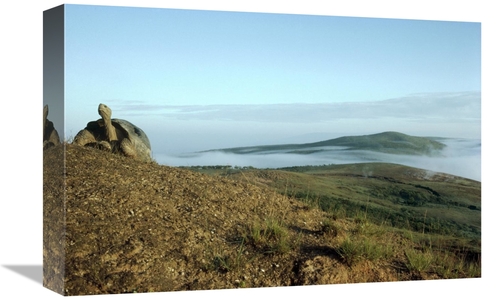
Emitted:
<point x="104" y="111"/>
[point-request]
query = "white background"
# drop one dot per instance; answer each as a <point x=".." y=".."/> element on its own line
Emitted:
<point x="21" y="154"/>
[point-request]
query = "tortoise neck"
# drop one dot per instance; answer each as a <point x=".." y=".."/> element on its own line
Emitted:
<point x="110" y="130"/>
<point x="45" y="114"/>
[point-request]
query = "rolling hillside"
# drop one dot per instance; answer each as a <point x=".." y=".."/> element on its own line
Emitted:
<point x="123" y="226"/>
<point x="389" y="194"/>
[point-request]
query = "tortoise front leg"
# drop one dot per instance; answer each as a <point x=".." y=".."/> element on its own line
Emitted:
<point x="128" y="148"/>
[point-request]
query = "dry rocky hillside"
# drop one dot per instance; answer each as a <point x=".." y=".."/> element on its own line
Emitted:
<point x="143" y="227"/>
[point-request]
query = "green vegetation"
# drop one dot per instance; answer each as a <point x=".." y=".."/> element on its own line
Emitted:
<point x="389" y="194"/>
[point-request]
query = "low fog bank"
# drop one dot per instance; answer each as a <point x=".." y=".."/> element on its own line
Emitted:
<point x="461" y="157"/>
<point x="190" y="128"/>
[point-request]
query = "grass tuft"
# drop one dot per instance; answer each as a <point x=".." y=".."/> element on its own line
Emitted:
<point x="353" y="251"/>
<point x="270" y="237"/>
<point x="418" y="261"/>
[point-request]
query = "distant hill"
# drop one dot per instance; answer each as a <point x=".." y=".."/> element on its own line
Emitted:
<point x="387" y="142"/>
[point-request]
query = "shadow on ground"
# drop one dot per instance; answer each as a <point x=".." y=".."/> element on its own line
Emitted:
<point x="33" y="272"/>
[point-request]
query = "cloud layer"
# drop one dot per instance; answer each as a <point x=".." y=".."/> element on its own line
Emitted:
<point x="442" y="106"/>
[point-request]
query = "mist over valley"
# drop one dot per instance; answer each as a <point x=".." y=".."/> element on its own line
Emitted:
<point x="457" y="156"/>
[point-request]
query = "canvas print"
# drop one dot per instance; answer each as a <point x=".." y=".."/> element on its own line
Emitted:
<point x="200" y="150"/>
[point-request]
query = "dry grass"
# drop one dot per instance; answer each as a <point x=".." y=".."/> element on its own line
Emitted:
<point x="143" y="227"/>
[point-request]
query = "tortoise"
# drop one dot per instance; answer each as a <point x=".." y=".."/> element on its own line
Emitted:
<point x="115" y="135"/>
<point x="50" y="135"/>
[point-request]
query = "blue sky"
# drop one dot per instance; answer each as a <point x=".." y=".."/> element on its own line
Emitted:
<point x="195" y="80"/>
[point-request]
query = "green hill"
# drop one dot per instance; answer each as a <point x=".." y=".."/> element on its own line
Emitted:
<point x="392" y="142"/>
<point x="387" y="142"/>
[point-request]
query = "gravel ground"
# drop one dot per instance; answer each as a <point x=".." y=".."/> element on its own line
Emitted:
<point x="123" y="226"/>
